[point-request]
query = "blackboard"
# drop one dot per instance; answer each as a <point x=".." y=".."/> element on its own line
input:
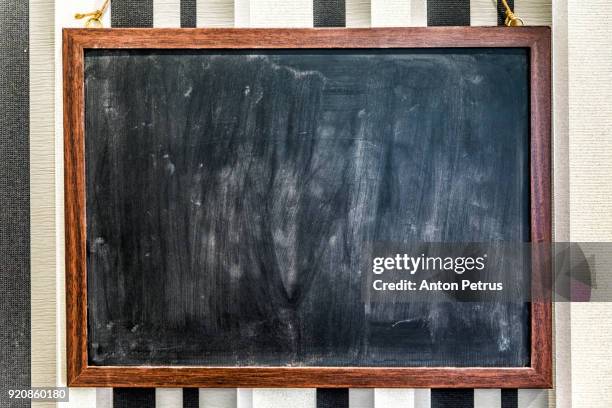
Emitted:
<point x="230" y="193"/>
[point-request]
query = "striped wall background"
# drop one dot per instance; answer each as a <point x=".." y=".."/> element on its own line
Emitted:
<point x="315" y="13"/>
<point x="35" y="106"/>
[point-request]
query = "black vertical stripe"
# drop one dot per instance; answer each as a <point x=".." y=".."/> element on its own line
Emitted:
<point x="191" y="398"/>
<point x="501" y="11"/>
<point x="332" y="397"/>
<point x="14" y="201"/>
<point x="509" y="398"/>
<point x="134" y="398"/>
<point x="452" y="398"/>
<point x="188" y="13"/>
<point x="329" y="13"/>
<point x="448" y="12"/>
<point x="132" y="13"/>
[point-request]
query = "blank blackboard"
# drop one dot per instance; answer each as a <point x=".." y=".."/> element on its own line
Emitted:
<point x="226" y="190"/>
<point x="229" y="194"/>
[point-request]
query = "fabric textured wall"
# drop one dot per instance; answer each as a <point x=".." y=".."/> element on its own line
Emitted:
<point x="590" y="167"/>
<point x="264" y="13"/>
<point x="14" y="201"/>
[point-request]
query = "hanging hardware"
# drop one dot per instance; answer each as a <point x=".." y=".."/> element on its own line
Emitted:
<point x="512" y="20"/>
<point x="94" y="20"/>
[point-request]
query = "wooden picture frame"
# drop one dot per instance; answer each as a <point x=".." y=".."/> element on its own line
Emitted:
<point x="80" y="373"/>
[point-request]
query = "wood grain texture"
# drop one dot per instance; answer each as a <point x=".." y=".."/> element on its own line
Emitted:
<point x="80" y="373"/>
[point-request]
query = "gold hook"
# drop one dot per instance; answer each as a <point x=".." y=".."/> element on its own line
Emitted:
<point x="95" y="20"/>
<point x="512" y="20"/>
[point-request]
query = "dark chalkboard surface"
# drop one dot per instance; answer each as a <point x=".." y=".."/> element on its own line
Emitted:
<point x="229" y="195"/>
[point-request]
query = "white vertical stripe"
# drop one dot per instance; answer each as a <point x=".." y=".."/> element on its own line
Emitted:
<point x="562" y="341"/>
<point x="422" y="398"/>
<point x="284" y="398"/>
<point x="104" y="398"/>
<point x="418" y="13"/>
<point x="168" y="398"/>
<point x="64" y="17"/>
<point x="242" y="13"/>
<point x="79" y="398"/>
<point x="287" y="13"/>
<point x="358" y="13"/>
<point x="166" y="13"/>
<point x="361" y="398"/>
<point x="534" y="12"/>
<point x="106" y="18"/>
<point x="43" y="315"/>
<point x="483" y="12"/>
<point x="562" y="345"/>
<point x="561" y="212"/>
<point x="245" y="398"/>
<point x="217" y="398"/>
<point x="590" y="148"/>
<point x="393" y="397"/>
<point x="532" y="398"/>
<point x="391" y="13"/>
<point x="487" y="398"/>
<point x="591" y="321"/>
<point x="215" y="13"/>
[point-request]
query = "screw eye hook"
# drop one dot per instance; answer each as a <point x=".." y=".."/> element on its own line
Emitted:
<point x="512" y="20"/>
<point x="95" y="17"/>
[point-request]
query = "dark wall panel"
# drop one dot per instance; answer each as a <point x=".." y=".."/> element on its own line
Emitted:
<point x="451" y="398"/>
<point x="448" y="12"/>
<point x="329" y="13"/>
<point x="188" y="13"/>
<point x="139" y="13"/>
<point x="332" y="398"/>
<point x="191" y="398"/>
<point x="14" y="201"/>
<point x="134" y="398"/>
<point x="132" y="13"/>
<point x="509" y="398"/>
